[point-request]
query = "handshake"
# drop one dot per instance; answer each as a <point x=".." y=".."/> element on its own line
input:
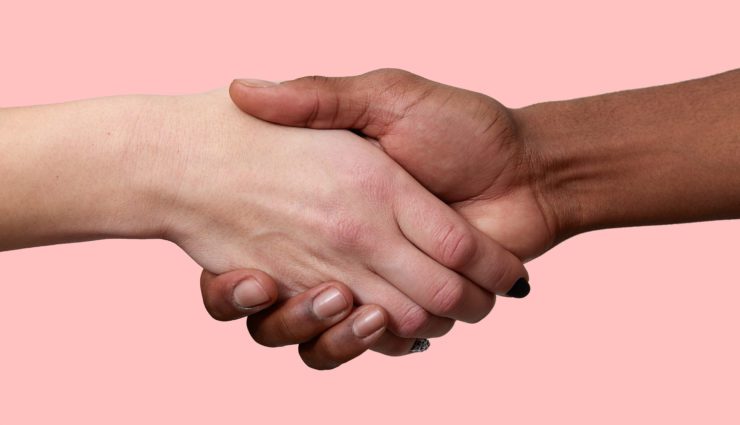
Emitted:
<point x="375" y="238"/>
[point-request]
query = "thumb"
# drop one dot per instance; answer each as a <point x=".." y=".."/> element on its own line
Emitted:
<point x="365" y="102"/>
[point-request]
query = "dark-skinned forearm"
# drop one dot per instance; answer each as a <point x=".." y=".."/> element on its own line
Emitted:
<point x="659" y="155"/>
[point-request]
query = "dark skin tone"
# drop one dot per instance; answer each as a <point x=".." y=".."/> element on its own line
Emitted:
<point x="532" y="177"/>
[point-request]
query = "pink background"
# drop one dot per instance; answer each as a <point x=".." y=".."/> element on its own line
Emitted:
<point x="623" y="326"/>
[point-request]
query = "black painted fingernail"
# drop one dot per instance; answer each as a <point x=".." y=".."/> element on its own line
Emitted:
<point x="520" y="289"/>
<point x="420" y="345"/>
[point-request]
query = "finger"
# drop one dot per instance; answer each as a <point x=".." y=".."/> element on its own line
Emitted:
<point x="302" y="317"/>
<point x="368" y="102"/>
<point x="436" y="288"/>
<point x="238" y="293"/>
<point x="346" y="340"/>
<point x="406" y="317"/>
<point x="447" y="238"/>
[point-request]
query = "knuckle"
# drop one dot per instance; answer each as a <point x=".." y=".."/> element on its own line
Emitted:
<point x="376" y="183"/>
<point x="320" y="86"/>
<point x="392" y="75"/>
<point x="498" y="275"/>
<point x="347" y="227"/>
<point x="413" y="322"/>
<point x="456" y="246"/>
<point x="286" y="330"/>
<point x="315" y="79"/>
<point x="348" y="232"/>
<point x="447" y="296"/>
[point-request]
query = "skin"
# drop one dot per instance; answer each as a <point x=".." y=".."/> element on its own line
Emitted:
<point x="326" y="341"/>
<point x="533" y="177"/>
<point x="305" y="206"/>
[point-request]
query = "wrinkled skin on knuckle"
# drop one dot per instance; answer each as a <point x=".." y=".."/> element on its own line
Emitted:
<point x="354" y="225"/>
<point x="388" y="76"/>
<point x="447" y="297"/>
<point x="413" y="322"/>
<point x="400" y="89"/>
<point x="286" y="324"/>
<point x="375" y="181"/>
<point x="497" y="275"/>
<point x="346" y="232"/>
<point x="456" y="246"/>
<point x="315" y="79"/>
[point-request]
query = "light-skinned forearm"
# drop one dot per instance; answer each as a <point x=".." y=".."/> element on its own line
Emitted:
<point x="659" y="155"/>
<point x="79" y="171"/>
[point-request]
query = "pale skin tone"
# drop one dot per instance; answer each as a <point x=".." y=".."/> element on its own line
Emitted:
<point x="305" y="206"/>
<point x="528" y="178"/>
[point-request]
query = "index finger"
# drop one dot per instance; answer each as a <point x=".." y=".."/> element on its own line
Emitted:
<point x="237" y="293"/>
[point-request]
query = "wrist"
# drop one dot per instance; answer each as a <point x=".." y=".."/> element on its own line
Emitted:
<point x="152" y="159"/>
<point x="568" y="173"/>
<point x="116" y="156"/>
<point x="183" y="143"/>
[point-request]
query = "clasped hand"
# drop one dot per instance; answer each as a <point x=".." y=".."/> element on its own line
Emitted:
<point x="419" y="233"/>
<point x="375" y="238"/>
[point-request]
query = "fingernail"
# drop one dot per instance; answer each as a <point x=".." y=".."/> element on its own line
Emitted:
<point x="420" y="345"/>
<point x="251" y="82"/>
<point x="329" y="303"/>
<point x="249" y="293"/>
<point x="520" y="289"/>
<point x="368" y="323"/>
